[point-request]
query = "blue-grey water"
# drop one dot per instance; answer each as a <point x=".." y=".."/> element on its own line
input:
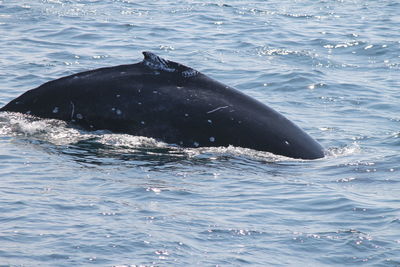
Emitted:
<point x="75" y="198"/>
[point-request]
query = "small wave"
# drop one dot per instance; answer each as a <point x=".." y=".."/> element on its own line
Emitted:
<point x="297" y="16"/>
<point x="271" y="51"/>
<point x="344" y="44"/>
<point x="346" y="150"/>
<point x="16" y="124"/>
<point x="59" y="133"/>
<point x="216" y="153"/>
<point x="302" y="56"/>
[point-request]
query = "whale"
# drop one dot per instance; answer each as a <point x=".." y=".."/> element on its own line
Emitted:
<point x="169" y="102"/>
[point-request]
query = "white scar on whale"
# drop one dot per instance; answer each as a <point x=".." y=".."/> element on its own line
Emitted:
<point x="216" y="109"/>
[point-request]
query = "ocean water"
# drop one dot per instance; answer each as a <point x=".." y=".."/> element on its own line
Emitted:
<point x="75" y="198"/>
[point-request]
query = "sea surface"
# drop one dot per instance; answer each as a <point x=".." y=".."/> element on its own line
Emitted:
<point x="74" y="198"/>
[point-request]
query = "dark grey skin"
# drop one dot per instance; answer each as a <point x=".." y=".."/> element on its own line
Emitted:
<point x="170" y="102"/>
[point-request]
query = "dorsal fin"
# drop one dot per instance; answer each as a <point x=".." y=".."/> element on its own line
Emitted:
<point x="156" y="63"/>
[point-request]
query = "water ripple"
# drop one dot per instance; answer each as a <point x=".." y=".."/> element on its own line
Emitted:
<point x="72" y="197"/>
